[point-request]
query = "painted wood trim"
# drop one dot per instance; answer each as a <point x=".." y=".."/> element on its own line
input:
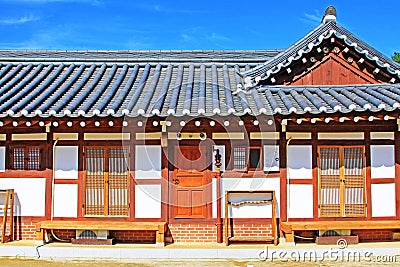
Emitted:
<point x="315" y="172"/>
<point x="367" y="166"/>
<point x="383" y="180"/>
<point x="66" y="181"/>
<point x="302" y="181"/>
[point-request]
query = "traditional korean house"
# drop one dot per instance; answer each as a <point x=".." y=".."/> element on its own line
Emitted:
<point x="305" y="139"/>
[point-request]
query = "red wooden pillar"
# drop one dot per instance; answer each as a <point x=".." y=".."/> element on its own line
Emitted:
<point x="283" y="174"/>
<point x="397" y="171"/>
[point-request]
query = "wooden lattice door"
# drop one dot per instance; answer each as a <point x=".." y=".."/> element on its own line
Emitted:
<point x="106" y="181"/>
<point x="341" y="181"/>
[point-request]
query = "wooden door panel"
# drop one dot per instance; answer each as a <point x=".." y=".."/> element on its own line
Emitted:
<point x="183" y="198"/>
<point x="190" y="181"/>
<point x="198" y="203"/>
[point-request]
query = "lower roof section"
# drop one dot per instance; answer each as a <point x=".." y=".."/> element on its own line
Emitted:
<point x="187" y="89"/>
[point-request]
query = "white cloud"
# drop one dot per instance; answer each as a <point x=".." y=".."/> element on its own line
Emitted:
<point x="20" y="20"/>
<point x="217" y="37"/>
<point x="312" y="18"/>
<point x="166" y="9"/>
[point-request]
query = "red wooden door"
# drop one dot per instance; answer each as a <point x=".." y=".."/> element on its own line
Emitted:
<point x="189" y="182"/>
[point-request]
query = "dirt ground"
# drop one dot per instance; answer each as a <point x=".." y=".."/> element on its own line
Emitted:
<point x="14" y="262"/>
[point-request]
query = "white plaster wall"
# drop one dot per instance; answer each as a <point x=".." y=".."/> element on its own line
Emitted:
<point x="214" y="197"/>
<point x="29" y="195"/>
<point x="222" y="153"/>
<point x="147" y="162"/>
<point x="66" y="162"/>
<point x="66" y="200"/>
<point x="247" y="211"/>
<point x="2" y="158"/>
<point x="383" y="200"/>
<point x="300" y="162"/>
<point x="271" y="158"/>
<point x="147" y="201"/>
<point x="300" y="199"/>
<point x="382" y="161"/>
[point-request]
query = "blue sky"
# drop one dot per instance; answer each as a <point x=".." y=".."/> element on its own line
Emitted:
<point x="205" y="24"/>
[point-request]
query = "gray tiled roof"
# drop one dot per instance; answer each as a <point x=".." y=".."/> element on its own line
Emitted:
<point x="73" y="89"/>
<point x="330" y="99"/>
<point x="179" y="83"/>
<point x="136" y="56"/>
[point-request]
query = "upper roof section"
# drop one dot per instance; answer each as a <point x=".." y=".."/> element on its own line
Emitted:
<point x="189" y="83"/>
<point x="137" y="56"/>
<point x="322" y="40"/>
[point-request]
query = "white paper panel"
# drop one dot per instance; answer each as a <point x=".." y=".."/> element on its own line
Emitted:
<point x="300" y="162"/>
<point x="300" y="201"/>
<point x="66" y="162"/>
<point x="29" y="195"/>
<point x="271" y="158"/>
<point x="382" y="161"/>
<point x="2" y="158"/>
<point x="66" y="200"/>
<point x="383" y="200"/>
<point x="147" y="201"/>
<point x="147" y="162"/>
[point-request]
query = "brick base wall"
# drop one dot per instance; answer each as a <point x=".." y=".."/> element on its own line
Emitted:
<point x="373" y="235"/>
<point x="25" y="231"/>
<point x="208" y="232"/>
<point x="189" y="233"/>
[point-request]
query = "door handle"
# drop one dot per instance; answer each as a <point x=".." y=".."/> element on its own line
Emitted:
<point x="176" y="181"/>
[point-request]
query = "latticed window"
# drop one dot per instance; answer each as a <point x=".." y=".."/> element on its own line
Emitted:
<point x="341" y="181"/>
<point x="239" y="158"/>
<point x="106" y="181"/>
<point x="247" y="158"/>
<point x="25" y="158"/>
